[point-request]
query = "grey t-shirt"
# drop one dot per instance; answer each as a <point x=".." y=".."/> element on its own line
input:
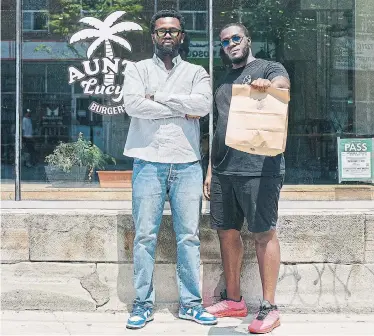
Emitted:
<point x="229" y="161"/>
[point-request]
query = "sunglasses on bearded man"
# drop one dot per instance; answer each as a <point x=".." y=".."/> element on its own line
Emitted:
<point x="236" y="39"/>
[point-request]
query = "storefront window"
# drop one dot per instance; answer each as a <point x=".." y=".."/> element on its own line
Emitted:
<point x="322" y="45"/>
<point x="326" y="47"/>
<point x="8" y="100"/>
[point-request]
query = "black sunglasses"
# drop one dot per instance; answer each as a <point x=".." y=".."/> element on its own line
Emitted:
<point x="162" y="32"/>
<point x="236" y="39"/>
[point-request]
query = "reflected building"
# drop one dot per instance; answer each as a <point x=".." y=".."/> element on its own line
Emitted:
<point x="326" y="46"/>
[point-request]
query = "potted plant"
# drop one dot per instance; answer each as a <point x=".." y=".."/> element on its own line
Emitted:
<point x="73" y="162"/>
<point x="115" y="178"/>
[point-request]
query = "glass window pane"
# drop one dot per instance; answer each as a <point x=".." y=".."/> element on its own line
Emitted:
<point x="33" y="78"/>
<point x="40" y="20"/>
<point x="28" y="21"/>
<point x="326" y="47"/>
<point x="322" y="46"/>
<point x="61" y="111"/>
<point x="8" y="80"/>
<point x="35" y="4"/>
<point x="192" y="5"/>
<point x="55" y="81"/>
<point x="201" y="21"/>
<point x="7" y="99"/>
<point x="8" y="130"/>
<point x="188" y="18"/>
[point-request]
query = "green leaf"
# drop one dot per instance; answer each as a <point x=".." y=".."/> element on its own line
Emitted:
<point x="79" y="153"/>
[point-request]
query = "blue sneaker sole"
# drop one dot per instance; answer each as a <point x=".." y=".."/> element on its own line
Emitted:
<point x="190" y="318"/>
<point x="130" y="326"/>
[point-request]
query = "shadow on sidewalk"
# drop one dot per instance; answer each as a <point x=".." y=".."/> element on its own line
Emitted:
<point x="226" y="331"/>
<point x="236" y="329"/>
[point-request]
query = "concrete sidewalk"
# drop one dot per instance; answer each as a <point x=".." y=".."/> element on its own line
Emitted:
<point x="165" y="323"/>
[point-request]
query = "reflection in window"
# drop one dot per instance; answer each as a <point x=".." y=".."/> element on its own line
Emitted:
<point x="195" y="14"/>
<point x="192" y="5"/>
<point x="196" y="21"/>
<point x="35" y="20"/>
<point x="326" y="46"/>
<point x="56" y="81"/>
<point x="321" y="48"/>
<point x="34" y="77"/>
<point x="27" y="21"/>
<point x="35" y="4"/>
<point x="8" y="80"/>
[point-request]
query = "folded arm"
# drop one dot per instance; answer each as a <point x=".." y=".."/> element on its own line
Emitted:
<point x="135" y="101"/>
<point x="198" y="103"/>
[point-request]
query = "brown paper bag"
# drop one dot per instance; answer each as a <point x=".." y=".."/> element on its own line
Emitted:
<point x="257" y="122"/>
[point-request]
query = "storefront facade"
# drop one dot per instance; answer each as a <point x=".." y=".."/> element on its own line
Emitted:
<point x="326" y="46"/>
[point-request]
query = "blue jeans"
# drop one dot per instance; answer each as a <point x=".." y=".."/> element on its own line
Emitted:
<point x="151" y="183"/>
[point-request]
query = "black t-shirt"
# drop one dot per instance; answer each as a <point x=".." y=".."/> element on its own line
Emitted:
<point x="229" y="161"/>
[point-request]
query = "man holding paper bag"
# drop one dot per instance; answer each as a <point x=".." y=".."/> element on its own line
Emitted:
<point x="242" y="186"/>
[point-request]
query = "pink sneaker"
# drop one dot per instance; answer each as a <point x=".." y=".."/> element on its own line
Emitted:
<point x="228" y="308"/>
<point x="265" y="320"/>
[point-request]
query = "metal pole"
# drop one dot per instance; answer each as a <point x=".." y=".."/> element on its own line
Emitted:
<point x="211" y="60"/>
<point x="18" y="143"/>
<point x="154" y="12"/>
<point x="240" y="12"/>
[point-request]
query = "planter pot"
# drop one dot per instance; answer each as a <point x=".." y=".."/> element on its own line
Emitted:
<point x="115" y="178"/>
<point x="58" y="178"/>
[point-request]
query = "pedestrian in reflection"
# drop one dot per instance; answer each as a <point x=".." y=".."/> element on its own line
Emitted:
<point x="165" y="96"/>
<point x="28" y="140"/>
<point x="242" y="185"/>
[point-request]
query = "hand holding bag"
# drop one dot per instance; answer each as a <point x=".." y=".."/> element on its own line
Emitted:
<point x="258" y="121"/>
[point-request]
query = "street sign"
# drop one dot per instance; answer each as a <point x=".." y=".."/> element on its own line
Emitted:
<point x="356" y="159"/>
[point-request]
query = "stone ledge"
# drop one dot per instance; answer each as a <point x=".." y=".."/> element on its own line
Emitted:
<point x="369" y="238"/>
<point x="81" y="259"/>
<point x="107" y="236"/>
<point x="304" y="287"/>
<point x="91" y="237"/>
<point x="49" y="286"/>
<point x="15" y="239"/>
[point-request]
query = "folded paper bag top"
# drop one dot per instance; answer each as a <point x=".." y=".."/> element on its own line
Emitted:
<point x="257" y="122"/>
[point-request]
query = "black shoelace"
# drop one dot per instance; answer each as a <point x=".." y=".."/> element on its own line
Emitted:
<point x="265" y="310"/>
<point x="223" y="295"/>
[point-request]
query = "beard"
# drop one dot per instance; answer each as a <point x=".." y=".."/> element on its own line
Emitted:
<point x="169" y="50"/>
<point x="240" y="59"/>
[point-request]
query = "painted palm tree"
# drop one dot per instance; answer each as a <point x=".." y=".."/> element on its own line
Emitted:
<point x="105" y="32"/>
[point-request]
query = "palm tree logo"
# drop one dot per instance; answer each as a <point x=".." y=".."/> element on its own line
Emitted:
<point x="105" y="32"/>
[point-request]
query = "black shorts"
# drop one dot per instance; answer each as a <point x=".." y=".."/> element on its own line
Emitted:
<point x="233" y="198"/>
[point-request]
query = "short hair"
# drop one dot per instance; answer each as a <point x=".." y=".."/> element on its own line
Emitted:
<point x="237" y="24"/>
<point x="167" y="13"/>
